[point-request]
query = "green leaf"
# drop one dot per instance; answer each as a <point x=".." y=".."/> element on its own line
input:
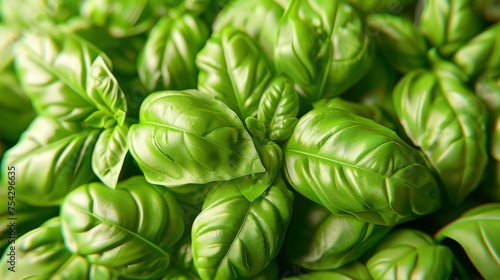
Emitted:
<point x="187" y="137"/>
<point x="449" y="24"/>
<point x="28" y="13"/>
<point x="235" y="70"/>
<point x="167" y="60"/>
<point x="398" y="41"/>
<point x="410" y="254"/>
<point x="41" y="254"/>
<point x="16" y="111"/>
<point x="234" y="238"/>
<point x="128" y="230"/>
<point x="67" y="78"/>
<point x="489" y="9"/>
<point x="481" y="54"/>
<point x="322" y="47"/>
<point x="53" y="157"/>
<point x="353" y="271"/>
<point x="271" y="272"/>
<point x="278" y="108"/>
<point x="328" y="241"/>
<point x="352" y="165"/>
<point x="488" y="90"/>
<point x="448" y="122"/>
<point x="253" y="186"/>
<point x="477" y="232"/>
<point x="263" y="30"/>
<point x="109" y="154"/>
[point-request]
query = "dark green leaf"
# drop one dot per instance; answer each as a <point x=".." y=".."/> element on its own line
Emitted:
<point x="449" y="24"/>
<point x="354" y="271"/>
<point x="398" y="41"/>
<point x="352" y="165"/>
<point x="320" y="240"/>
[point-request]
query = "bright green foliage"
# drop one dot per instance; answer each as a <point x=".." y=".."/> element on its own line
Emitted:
<point x="129" y="229"/>
<point x="448" y="122"/>
<point x="353" y="271"/>
<point x="167" y="60"/>
<point x="410" y="254"/>
<point x="307" y="48"/>
<point x="329" y="159"/>
<point x="477" y="232"/>
<point x="328" y="241"/>
<point x="234" y="238"/>
<point x="187" y="137"/>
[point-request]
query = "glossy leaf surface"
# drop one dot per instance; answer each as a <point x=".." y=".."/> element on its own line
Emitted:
<point x="186" y="137"/>
<point x="322" y="47"/>
<point x="235" y="70"/>
<point x="448" y="122"/>
<point x="167" y="60"/>
<point x="234" y="238"/>
<point x="477" y="232"/>
<point x="69" y="79"/>
<point x="41" y="254"/>
<point x="449" y="24"/>
<point x="330" y="160"/>
<point x="55" y="157"/>
<point x="128" y="229"/>
<point x="410" y="254"/>
<point x="399" y="41"/>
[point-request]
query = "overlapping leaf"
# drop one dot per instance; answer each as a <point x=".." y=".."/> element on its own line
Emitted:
<point x="187" y="137"/>
<point x="234" y="238"/>
<point x="128" y="229"/>
<point x="352" y="165"/>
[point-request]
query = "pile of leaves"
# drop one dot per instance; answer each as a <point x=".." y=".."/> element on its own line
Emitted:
<point x="262" y="139"/>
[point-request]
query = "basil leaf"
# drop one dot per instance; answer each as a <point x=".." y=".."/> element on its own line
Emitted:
<point x="410" y="254"/>
<point x="481" y="54"/>
<point x="128" y="230"/>
<point x="278" y="109"/>
<point x="55" y="158"/>
<point x="328" y="241"/>
<point x="34" y="12"/>
<point x="343" y="146"/>
<point x="271" y="272"/>
<point x="234" y="238"/>
<point x="263" y="31"/>
<point x="16" y="111"/>
<point x="109" y="154"/>
<point x="449" y="24"/>
<point x="353" y="271"/>
<point x="477" y="232"/>
<point x="398" y="41"/>
<point x="41" y="254"/>
<point x="310" y="52"/>
<point x="488" y="90"/>
<point x="187" y="137"/>
<point x="234" y="70"/>
<point x="253" y="186"/>
<point x="448" y="122"/>
<point x="167" y="61"/>
<point x="67" y="78"/>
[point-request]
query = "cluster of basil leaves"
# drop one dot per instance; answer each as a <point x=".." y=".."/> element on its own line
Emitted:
<point x="266" y="139"/>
